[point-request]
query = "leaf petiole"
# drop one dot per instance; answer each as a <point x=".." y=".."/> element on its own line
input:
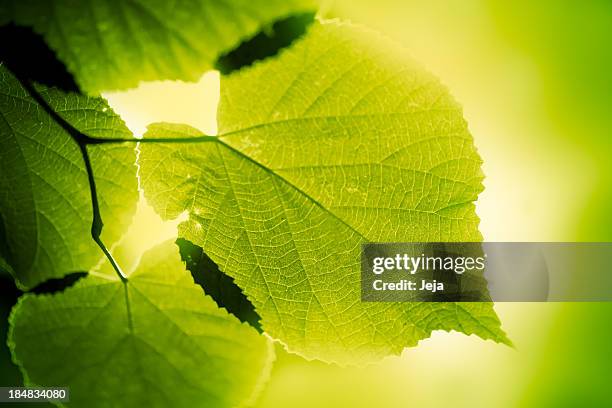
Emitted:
<point x="82" y="141"/>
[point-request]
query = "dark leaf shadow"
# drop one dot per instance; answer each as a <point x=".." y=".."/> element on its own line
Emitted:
<point x="58" y="285"/>
<point x="27" y="55"/>
<point x="266" y="43"/>
<point x="217" y="284"/>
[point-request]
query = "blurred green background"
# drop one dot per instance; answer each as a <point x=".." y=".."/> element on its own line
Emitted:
<point x="535" y="81"/>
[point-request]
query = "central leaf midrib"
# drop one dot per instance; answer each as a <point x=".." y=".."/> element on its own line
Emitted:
<point x="244" y="156"/>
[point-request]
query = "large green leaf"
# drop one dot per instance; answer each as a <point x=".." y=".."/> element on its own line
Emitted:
<point x="114" y="44"/>
<point x="45" y="202"/>
<point x="339" y="141"/>
<point x="154" y="341"/>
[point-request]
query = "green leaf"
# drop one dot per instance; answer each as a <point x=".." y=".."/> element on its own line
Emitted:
<point x="5" y="268"/>
<point x="114" y="44"/>
<point x="339" y="141"/>
<point x="155" y="340"/>
<point x="45" y="202"/>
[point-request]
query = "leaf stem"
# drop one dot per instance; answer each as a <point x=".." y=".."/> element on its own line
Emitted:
<point x="97" y="224"/>
<point x="195" y="139"/>
<point x="82" y="141"/>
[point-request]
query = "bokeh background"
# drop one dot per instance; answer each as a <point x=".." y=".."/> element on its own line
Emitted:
<point x="535" y="81"/>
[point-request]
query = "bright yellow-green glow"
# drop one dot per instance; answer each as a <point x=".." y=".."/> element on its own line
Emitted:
<point x="161" y="101"/>
<point x="169" y="101"/>
<point x="529" y="163"/>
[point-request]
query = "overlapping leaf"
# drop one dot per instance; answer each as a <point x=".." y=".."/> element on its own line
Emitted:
<point x="45" y="202"/>
<point x="114" y="44"/>
<point x="155" y="340"/>
<point x="337" y="142"/>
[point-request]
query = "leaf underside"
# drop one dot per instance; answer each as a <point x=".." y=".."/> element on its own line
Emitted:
<point x="155" y="341"/>
<point x="334" y="143"/>
<point x="45" y="202"/>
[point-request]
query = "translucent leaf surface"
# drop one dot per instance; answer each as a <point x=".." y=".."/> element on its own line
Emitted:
<point x="45" y="202"/>
<point x="114" y="44"/>
<point x="154" y="341"/>
<point x="340" y="140"/>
